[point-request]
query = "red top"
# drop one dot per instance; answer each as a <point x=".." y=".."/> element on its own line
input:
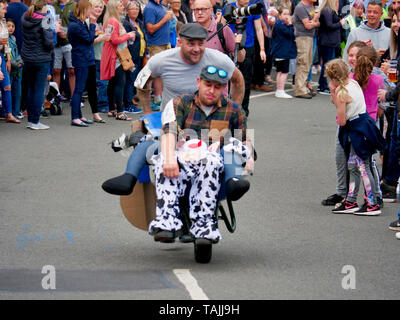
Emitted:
<point x="108" y="56"/>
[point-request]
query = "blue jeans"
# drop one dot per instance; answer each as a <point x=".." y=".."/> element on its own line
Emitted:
<point x="137" y="160"/>
<point x="327" y="54"/>
<point x="36" y="73"/>
<point x="314" y="52"/>
<point x="392" y="173"/>
<point x="85" y="77"/>
<point x="5" y="94"/>
<point x="81" y="74"/>
<point x="102" y="100"/>
<point x="16" y="78"/>
<point x="130" y="80"/>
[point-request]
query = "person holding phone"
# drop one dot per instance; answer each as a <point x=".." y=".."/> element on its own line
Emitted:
<point x="110" y="66"/>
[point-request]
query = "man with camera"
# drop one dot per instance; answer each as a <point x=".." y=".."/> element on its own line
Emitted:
<point x="225" y="40"/>
<point x="252" y="28"/>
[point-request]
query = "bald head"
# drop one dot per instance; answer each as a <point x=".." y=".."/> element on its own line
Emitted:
<point x="202" y="10"/>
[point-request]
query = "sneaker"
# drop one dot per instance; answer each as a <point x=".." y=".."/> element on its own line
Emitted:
<point x="314" y="70"/>
<point x="368" y="210"/>
<point x="44" y="114"/>
<point x="346" y="207"/>
<point x="20" y="115"/>
<point x="324" y="92"/>
<point x="395" y="225"/>
<point x="38" y="126"/>
<point x="388" y="193"/>
<point x="29" y="124"/>
<point x="332" y="200"/>
<point x="155" y="106"/>
<point x="62" y="98"/>
<point x="283" y="95"/>
<point x="133" y="109"/>
<point x="380" y="202"/>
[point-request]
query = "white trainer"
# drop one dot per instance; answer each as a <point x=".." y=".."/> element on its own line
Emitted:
<point x="283" y="95"/>
<point x="38" y="126"/>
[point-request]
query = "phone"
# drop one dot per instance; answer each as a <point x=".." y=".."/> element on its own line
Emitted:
<point x="109" y="29"/>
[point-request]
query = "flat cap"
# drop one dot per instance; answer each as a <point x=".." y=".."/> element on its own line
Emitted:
<point x="193" y="31"/>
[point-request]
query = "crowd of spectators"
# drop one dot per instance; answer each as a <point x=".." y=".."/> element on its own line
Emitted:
<point x="71" y="48"/>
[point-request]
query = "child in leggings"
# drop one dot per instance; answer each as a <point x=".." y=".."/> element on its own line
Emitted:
<point x="358" y="135"/>
<point x="374" y="82"/>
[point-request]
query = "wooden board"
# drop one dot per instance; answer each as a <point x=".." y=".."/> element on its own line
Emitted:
<point x="139" y="207"/>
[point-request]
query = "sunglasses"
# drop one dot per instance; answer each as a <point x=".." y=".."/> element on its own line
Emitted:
<point x="221" y="73"/>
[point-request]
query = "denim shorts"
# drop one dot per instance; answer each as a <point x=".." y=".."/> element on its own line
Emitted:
<point x="60" y="53"/>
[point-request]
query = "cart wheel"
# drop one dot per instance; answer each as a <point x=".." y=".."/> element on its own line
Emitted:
<point x="202" y="250"/>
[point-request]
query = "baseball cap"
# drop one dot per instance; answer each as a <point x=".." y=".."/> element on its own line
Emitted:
<point x="213" y="73"/>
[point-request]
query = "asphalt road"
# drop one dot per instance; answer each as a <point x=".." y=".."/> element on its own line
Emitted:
<point x="286" y="246"/>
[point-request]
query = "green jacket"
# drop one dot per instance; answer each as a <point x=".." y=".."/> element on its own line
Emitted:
<point x="64" y="16"/>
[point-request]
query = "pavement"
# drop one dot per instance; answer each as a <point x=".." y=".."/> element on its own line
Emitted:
<point x="63" y="237"/>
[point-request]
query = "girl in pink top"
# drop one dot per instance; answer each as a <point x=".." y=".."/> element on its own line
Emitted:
<point x="370" y="83"/>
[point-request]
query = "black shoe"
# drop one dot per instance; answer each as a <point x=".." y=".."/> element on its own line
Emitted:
<point x="205" y="241"/>
<point x="395" y="225"/>
<point x="121" y="185"/>
<point x="380" y="202"/>
<point x="388" y="193"/>
<point x="236" y="188"/>
<point x="346" y="207"/>
<point x="304" y="96"/>
<point x="332" y="200"/>
<point x="166" y="236"/>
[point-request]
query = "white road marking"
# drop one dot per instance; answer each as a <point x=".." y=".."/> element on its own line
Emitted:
<point x="190" y="283"/>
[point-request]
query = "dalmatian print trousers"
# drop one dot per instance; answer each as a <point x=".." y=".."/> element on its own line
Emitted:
<point x="203" y="177"/>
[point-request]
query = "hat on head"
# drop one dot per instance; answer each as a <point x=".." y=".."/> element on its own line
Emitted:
<point x="193" y="31"/>
<point x="213" y="73"/>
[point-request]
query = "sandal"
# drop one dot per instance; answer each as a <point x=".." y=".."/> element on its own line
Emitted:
<point x="112" y="113"/>
<point x="122" y="116"/>
<point x="11" y="119"/>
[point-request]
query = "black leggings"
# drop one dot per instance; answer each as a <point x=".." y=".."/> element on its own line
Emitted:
<point x="91" y="88"/>
<point x="115" y="90"/>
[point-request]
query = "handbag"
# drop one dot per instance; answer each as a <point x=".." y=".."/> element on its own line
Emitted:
<point x="125" y="58"/>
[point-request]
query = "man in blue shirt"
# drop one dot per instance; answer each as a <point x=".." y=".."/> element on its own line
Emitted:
<point x="253" y="28"/>
<point x="156" y="21"/>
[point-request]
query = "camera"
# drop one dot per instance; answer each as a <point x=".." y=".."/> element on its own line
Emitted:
<point x="232" y="12"/>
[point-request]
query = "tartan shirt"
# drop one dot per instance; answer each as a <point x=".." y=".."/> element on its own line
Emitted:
<point x="189" y="115"/>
